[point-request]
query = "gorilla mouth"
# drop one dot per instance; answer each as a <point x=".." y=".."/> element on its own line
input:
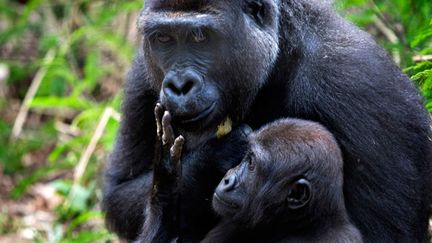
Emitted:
<point x="195" y="118"/>
<point x="224" y="202"/>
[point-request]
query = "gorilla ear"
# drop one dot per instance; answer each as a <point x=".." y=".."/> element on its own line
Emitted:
<point x="256" y="8"/>
<point x="299" y="194"/>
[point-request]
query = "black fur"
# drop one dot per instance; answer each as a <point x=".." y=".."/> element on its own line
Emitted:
<point x="297" y="58"/>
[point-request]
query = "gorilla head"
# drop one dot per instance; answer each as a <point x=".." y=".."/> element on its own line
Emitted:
<point x="292" y="173"/>
<point x="196" y="54"/>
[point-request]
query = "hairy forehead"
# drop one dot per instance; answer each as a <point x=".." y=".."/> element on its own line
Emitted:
<point x="152" y="20"/>
<point x="261" y="153"/>
<point x="172" y="14"/>
<point x="177" y="16"/>
<point x="192" y="5"/>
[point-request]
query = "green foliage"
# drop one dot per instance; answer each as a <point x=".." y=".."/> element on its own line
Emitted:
<point x="89" y="40"/>
<point x="405" y="29"/>
<point x="421" y="72"/>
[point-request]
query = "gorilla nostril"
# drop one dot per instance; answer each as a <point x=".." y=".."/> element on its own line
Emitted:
<point x="176" y="84"/>
<point x="174" y="89"/>
<point x="187" y="87"/>
<point x="229" y="183"/>
<point x="179" y="87"/>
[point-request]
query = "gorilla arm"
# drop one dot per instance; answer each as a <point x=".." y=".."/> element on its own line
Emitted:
<point x="129" y="175"/>
<point x="161" y="214"/>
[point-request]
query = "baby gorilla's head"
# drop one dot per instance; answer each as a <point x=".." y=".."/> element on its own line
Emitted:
<point x="292" y="172"/>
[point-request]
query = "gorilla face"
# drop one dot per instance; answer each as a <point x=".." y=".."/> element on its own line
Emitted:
<point x="293" y="168"/>
<point x="262" y="181"/>
<point x="198" y="59"/>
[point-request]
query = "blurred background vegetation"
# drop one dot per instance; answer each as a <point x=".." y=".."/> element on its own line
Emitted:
<point x="62" y="67"/>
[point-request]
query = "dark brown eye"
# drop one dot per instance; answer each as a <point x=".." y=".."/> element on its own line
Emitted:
<point x="251" y="164"/>
<point x="199" y="37"/>
<point x="257" y="10"/>
<point x="164" y="38"/>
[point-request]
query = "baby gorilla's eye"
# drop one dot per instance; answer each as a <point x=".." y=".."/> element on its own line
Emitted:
<point x="163" y="38"/>
<point x="251" y="164"/>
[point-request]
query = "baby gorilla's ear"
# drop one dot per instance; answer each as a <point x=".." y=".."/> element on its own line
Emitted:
<point x="299" y="194"/>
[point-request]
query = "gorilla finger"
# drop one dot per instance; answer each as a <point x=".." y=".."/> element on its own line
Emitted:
<point x="158" y="112"/>
<point x="176" y="149"/>
<point x="168" y="133"/>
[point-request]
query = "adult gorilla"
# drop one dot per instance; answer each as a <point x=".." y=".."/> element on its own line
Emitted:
<point x="255" y="61"/>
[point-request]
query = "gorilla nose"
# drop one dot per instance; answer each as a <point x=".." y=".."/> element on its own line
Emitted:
<point x="228" y="183"/>
<point x="181" y="85"/>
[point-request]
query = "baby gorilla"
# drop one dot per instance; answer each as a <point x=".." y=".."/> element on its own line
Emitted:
<point x="287" y="188"/>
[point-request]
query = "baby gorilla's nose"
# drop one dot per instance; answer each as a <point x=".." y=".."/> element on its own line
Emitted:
<point x="229" y="183"/>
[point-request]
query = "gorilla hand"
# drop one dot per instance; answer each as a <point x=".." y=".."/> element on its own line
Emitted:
<point x="161" y="222"/>
<point x="167" y="167"/>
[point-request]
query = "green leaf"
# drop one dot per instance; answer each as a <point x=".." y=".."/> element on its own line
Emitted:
<point x="422" y="37"/>
<point x="61" y="102"/>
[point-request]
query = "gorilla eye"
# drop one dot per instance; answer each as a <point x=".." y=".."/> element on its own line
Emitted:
<point x="251" y="164"/>
<point x="163" y="38"/>
<point x="199" y="37"/>
<point x="257" y="10"/>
